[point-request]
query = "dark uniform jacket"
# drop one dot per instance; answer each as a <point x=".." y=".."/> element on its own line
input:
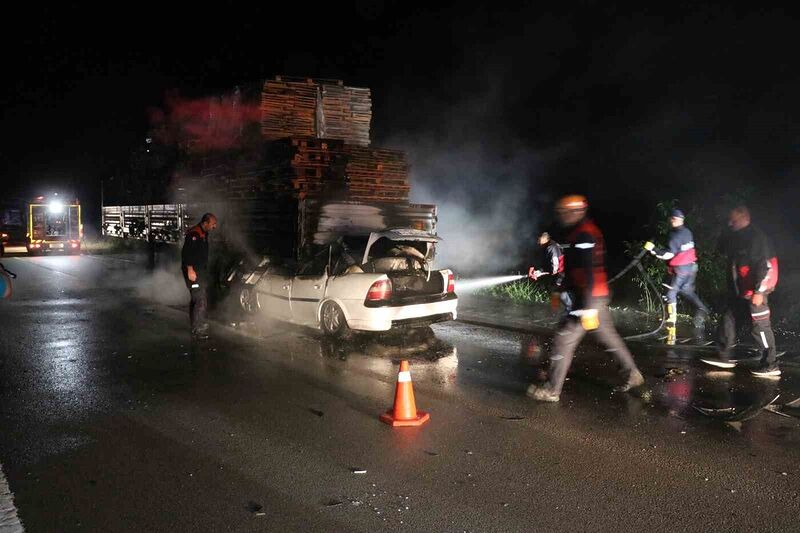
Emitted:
<point x="680" y="250"/>
<point x="195" y="251"/>
<point x="753" y="263"/>
<point x="584" y="263"/>
<point x="552" y="260"/>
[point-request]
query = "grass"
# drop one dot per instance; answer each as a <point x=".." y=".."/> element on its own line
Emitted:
<point x="520" y="291"/>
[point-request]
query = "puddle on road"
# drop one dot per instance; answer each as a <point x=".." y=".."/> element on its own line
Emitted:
<point x="459" y="356"/>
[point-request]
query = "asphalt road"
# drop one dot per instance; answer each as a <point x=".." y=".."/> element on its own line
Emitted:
<point x="112" y="420"/>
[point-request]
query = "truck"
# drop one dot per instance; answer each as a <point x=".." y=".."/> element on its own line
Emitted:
<point x="54" y="225"/>
<point x="288" y="230"/>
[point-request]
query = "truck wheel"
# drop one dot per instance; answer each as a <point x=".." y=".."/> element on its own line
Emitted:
<point x="248" y="300"/>
<point x="333" y="321"/>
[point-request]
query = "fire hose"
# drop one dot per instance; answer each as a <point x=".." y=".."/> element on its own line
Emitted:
<point x="636" y="262"/>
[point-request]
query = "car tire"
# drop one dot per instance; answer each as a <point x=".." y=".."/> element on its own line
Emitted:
<point x="248" y="300"/>
<point x="333" y="322"/>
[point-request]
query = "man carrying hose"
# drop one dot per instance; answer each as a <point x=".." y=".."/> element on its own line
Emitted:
<point x="552" y="259"/>
<point x="586" y="281"/>
<point x="681" y="259"/>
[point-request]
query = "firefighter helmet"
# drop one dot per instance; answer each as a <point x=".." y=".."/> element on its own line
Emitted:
<point x="572" y="202"/>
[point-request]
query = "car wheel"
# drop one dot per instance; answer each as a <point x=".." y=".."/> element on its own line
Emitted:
<point x="248" y="300"/>
<point x="333" y="321"/>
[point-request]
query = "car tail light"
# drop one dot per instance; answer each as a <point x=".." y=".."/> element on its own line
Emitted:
<point x="74" y="244"/>
<point x="381" y="290"/>
<point x="451" y="282"/>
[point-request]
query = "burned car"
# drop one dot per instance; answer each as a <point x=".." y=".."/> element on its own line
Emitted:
<point x="376" y="283"/>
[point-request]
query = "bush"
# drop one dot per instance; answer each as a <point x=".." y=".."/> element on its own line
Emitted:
<point x="520" y="291"/>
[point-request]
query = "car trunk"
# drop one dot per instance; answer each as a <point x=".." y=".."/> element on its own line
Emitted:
<point x="412" y="284"/>
<point x="404" y="256"/>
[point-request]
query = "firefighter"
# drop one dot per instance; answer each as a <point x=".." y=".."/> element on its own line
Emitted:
<point x="552" y="256"/>
<point x="194" y="265"/>
<point x="753" y="276"/>
<point x="681" y="259"/>
<point x="585" y="280"/>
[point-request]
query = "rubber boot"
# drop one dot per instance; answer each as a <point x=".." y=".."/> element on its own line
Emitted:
<point x="672" y="321"/>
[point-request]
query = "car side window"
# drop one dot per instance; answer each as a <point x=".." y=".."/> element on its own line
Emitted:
<point x="315" y="267"/>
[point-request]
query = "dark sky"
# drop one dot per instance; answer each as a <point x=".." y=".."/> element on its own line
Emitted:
<point x="630" y="107"/>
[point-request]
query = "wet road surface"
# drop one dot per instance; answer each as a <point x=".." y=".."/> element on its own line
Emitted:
<point x="112" y="420"/>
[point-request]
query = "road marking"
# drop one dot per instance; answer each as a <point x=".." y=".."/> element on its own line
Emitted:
<point x="107" y="258"/>
<point x="9" y="521"/>
<point x="51" y="269"/>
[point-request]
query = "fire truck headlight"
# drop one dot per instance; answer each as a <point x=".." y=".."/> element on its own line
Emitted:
<point x="55" y="207"/>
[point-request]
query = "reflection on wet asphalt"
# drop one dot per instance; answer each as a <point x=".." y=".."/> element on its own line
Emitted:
<point x="463" y="359"/>
<point x="106" y="399"/>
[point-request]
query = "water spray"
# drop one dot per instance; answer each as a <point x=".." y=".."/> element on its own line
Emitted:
<point x="472" y="285"/>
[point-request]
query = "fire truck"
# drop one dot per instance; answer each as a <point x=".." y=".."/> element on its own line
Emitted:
<point x="54" y="225"/>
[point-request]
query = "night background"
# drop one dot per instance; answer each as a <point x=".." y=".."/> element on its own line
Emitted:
<point x="500" y="109"/>
<point x="156" y="378"/>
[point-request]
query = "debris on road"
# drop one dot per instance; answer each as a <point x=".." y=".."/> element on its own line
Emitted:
<point x="316" y="411"/>
<point x="357" y="470"/>
<point x="333" y="503"/>
<point x="255" y="508"/>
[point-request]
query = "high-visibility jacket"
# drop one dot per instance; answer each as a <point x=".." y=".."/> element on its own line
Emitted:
<point x="680" y="250"/>
<point x="753" y="262"/>
<point x="584" y="263"/>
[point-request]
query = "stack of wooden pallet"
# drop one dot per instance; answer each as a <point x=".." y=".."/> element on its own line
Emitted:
<point x="288" y="108"/>
<point x="377" y="175"/>
<point x="304" y="107"/>
<point x="305" y="167"/>
<point x="345" y="113"/>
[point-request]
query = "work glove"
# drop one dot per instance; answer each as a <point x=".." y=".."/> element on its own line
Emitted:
<point x="535" y="274"/>
<point x="590" y="319"/>
<point x="650" y="247"/>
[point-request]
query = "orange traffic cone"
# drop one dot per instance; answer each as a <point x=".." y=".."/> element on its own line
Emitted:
<point x="405" y="411"/>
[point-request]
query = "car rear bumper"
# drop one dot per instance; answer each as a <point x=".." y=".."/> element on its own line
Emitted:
<point x="385" y="318"/>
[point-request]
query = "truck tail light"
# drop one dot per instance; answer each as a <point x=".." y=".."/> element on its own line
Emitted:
<point x="451" y="282"/>
<point x="380" y="291"/>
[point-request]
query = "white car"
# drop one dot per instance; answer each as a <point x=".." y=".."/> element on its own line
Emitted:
<point x="388" y="285"/>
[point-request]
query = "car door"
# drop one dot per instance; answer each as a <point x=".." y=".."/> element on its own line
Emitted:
<point x="280" y="289"/>
<point x="308" y="289"/>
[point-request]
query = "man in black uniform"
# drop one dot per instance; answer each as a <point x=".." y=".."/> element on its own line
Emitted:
<point x="194" y="265"/>
<point x="551" y="257"/>
<point x="753" y="275"/>
<point x="681" y="259"/>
